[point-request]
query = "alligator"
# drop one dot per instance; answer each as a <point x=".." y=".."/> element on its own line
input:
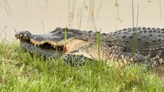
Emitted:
<point x="77" y="46"/>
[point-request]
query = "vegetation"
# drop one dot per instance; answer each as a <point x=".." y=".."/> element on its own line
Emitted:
<point x="20" y="72"/>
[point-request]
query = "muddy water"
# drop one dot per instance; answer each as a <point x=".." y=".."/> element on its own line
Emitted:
<point x="42" y="16"/>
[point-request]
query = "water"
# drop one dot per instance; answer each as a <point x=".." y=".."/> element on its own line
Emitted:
<point x="42" y="16"/>
<point x="39" y="16"/>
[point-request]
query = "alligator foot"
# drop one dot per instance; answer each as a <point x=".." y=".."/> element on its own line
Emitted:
<point x="126" y="58"/>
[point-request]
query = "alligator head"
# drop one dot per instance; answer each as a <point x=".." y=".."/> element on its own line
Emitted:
<point x="61" y="40"/>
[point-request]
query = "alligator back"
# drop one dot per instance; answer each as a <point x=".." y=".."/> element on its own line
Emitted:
<point x="148" y="42"/>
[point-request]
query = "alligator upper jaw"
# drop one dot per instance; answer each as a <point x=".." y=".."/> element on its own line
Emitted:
<point x="48" y="45"/>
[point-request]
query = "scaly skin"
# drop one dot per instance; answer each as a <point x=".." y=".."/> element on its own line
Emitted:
<point x="116" y="46"/>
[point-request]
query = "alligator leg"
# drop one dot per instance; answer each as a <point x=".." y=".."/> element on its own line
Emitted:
<point x="74" y="60"/>
<point x="124" y="58"/>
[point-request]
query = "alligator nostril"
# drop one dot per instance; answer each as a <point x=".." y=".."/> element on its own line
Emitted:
<point x="28" y="32"/>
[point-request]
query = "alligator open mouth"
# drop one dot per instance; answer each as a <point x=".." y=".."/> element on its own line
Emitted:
<point x="51" y="42"/>
<point x="49" y="46"/>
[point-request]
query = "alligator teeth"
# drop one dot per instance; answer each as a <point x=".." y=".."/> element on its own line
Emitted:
<point x="20" y="35"/>
<point x="24" y="37"/>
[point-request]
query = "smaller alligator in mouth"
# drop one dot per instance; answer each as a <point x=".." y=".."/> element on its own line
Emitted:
<point x="116" y="46"/>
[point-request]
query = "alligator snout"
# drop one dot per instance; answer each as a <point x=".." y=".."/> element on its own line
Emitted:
<point x="23" y="35"/>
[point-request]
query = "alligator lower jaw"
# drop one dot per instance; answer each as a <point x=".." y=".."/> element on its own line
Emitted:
<point x="49" y="47"/>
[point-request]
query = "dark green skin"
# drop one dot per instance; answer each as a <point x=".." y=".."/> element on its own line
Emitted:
<point x="148" y="44"/>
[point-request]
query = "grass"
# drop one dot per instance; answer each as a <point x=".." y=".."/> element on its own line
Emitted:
<point x="20" y="72"/>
